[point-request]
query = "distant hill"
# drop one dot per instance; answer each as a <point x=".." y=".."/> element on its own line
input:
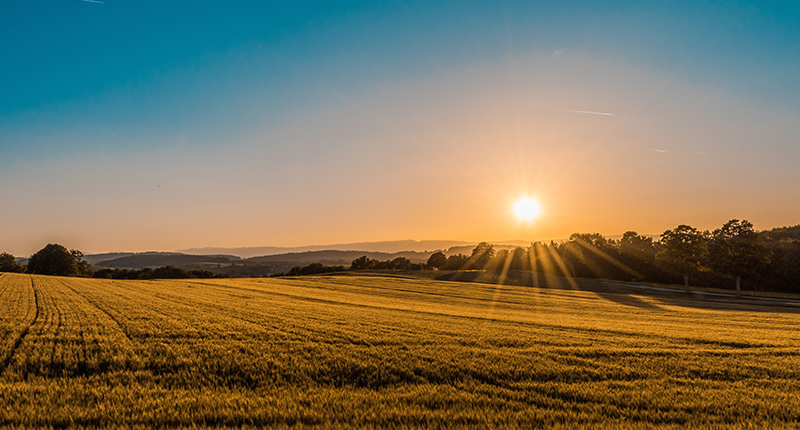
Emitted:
<point x="331" y="257"/>
<point x="385" y="246"/>
<point x="282" y="261"/>
<point x="158" y="259"/>
<point x="96" y="258"/>
<point x="266" y="263"/>
<point x="262" y="261"/>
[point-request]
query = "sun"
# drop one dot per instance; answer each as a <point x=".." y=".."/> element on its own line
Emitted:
<point x="526" y="209"/>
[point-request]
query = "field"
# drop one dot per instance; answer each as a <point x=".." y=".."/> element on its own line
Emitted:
<point x="389" y="352"/>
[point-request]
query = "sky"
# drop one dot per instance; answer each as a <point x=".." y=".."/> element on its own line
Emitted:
<point x="150" y="125"/>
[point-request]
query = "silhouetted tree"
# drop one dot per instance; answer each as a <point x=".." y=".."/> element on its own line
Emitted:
<point x="314" y="269"/>
<point x="437" y="260"/>
<point x="84" y="269"/>
<point x="683" y="249"/>
<point x="170" y="272"/>
<point x="499" y="260"/>
<point x="572" y="255"/>
<point x="481" y="255"/>
<point x="199" y="273"/>
<point x="456" y="262"/>
<point x="362" y="263"/>
<point x="519" y="260"/>
<point x="541" y="258"/>
<point x="401" y="263"/>
<point x="638" y="246"/>
<point x="737" y="250"/>
<point x="8" y="263"/>
<point x="106" y="274"/>
<point x="596" y="240"/>
<point x="639" y="253"/>
<point x="783" y="271"/>
<point x="54" y="259"/>
<point x="146" y="273"/>
<point x="598" y="256"/>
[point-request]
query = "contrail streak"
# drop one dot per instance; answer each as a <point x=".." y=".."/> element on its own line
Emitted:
<point x="586" y="111"/>
<point x="659" y="150"/>
<point x="93" y="1"/>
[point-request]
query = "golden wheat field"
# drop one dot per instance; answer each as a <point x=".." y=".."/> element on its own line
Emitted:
<point x="387" y="352"/>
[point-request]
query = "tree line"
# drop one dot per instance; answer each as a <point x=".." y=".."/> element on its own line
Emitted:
<point x="53" y="259"/>
<point x="164" y="272"/>
<point x="768" y="260"/>
<point x="722" y="258"/>
<point x="56" y="260"/>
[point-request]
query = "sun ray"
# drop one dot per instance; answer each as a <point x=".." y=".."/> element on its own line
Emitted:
<point x="533" y="253"/>
<point x="607" y="257"/>
<point x="506" y="265"/>
<point x="563" y="268"/>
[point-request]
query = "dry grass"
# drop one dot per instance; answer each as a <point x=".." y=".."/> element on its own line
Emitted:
<point x="387" y="352"/>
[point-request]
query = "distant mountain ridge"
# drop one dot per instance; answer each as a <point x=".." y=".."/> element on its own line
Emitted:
<point x="391" y="246"/>
<point x="269" y="260"/>
<point x="96" y="258"/>
<point x="263" y="264"/>
<point x="290" y="259"/>
<point x="159" y="259"/>
<point x="337" y="254"/>
<point x="335" y="257"/>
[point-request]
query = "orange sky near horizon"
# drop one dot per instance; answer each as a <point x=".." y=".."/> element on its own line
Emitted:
<point x="434" y="157"/>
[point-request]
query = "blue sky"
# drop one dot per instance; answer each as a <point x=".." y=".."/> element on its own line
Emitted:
<point x="199" y="94"/>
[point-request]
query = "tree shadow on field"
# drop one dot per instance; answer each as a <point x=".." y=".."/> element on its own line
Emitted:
<point x="515" y="278"/>
<point x="629" y="300"/>
<point x="621" y="293"/>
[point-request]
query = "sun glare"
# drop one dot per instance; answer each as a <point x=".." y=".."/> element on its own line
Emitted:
<point x="526" y="209"/>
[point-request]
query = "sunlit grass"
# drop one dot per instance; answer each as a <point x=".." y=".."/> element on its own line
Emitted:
<point x="386" y="352"/>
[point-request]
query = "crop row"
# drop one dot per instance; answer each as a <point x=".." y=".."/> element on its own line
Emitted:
<point x="386" y="352"/>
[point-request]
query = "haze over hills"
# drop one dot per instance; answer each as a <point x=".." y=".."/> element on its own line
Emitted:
<point x="97" y="258"/>
<point x="266" y="264"/>
<point x="270" y="264"/>
<point x="391" y="246"/>
<point x="275" y="263"/>
<point x="339" y="253"/>
<point x="255" y="266"/>
<point x="158" y="259"/>
<point x="414" y="250"/>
